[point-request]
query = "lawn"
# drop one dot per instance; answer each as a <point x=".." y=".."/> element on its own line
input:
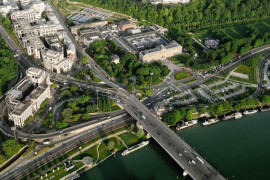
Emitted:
<point x="129" y="138"/>
<point x="244" y="69"/>
<point x="92" y="152"/>
<point x="182" y="75"/>
<point x="104" y="152"/>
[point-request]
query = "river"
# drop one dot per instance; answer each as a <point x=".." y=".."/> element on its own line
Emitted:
<point x="239" y="149"/>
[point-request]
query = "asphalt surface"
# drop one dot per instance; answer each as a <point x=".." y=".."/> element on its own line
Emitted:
<point x="20" y="171"/>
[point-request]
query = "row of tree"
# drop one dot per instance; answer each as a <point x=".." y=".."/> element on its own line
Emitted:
<point x="214" y="110"/>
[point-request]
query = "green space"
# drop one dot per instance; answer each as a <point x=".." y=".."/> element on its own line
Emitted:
<point x="244" y="69"/>
<point x="129" y="138"/>
<point x="9" y="148"/>
<point x="249" y="67"/>
<point x="146" y="74"/>
<point x="91" y="152"/>
<point x="8" y="66"/>
<point x="182" y="75"/>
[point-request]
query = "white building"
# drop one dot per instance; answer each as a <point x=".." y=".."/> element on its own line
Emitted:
<point x="33" y="45"/>
<point x="27" y="15"/>
<point x="161" y="52"/>
<point x="55" y="61"/>
<point x="8" y="6"/>
<point x="37" y="5"/>
<point x="25" y="98"/>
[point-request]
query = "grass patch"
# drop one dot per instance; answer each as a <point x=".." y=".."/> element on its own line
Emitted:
<point x="129" y="138"/>
<point x="104" y="152"/>
<point x="182" y="75"/>
<point x="244" y="69"/>
<point x="91" y="152"/>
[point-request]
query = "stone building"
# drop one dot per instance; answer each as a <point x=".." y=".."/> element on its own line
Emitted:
<point x="25" y="98"/>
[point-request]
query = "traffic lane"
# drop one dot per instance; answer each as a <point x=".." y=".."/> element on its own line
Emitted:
<point x="18" y="173"/>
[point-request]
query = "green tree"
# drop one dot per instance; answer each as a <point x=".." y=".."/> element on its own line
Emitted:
<point x="44" y="103"/>
<point x="171" y="118"/>
<point x="54" y="85"/>
<point x="237" y="107"/>
<point x="11" y="147"/>
<point x="67" y="113"/>
<point x="110" y="145"/>
<point x="74" y="88"/>
<point x="86" y="116"/>
<point x="61" y="124"/>
<point x="148" y="92"/>
<point x="266" y="99"/>
<point x="84" y="60"/>
<point x="76" y="117"/>
<point x="140" y="133"/>
<point x="65" y="94"/>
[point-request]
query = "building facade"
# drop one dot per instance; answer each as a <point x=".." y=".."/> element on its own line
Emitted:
<point x="161" y="52"/>
<point x="25" y="98"/>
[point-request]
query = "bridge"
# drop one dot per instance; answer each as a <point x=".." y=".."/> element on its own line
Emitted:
<point x="187" y="158"/>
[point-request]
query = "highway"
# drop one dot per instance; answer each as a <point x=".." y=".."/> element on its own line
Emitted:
<point x="20" y="171"/>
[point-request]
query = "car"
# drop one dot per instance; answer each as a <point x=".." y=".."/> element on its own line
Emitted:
<point x="109" y="117"/>
<point x="50" y="108"/>
<point x="60" y="132"/>
<point x="179" y="154"/>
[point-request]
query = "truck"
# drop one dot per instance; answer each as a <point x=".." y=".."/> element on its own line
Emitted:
<point x="46" y="141"/>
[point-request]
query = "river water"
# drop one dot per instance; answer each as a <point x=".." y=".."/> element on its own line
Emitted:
<point x="239" y="149"/>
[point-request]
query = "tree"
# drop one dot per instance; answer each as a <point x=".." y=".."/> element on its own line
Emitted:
<point x="132" y="126"/>
<point x="140" y="133"/>
<point x="148" y="92"/>
<point x="3" y="159"/>
<point x="266" y="99"/>
<point x="73" y="88"/>
<point x="84" y="60"/>
<point x="110" y="145"/>
<point x="237" y="107"/>
<point x="86" y="116"/>
<point x="54" y="85"/>
<point x="44" y="103"/>
<point x="171" y="118"/>
<point x="83" y="99"/>
<point x="190" y="115"/>
<point x="11" y="147"/>
<point x="76" y="117"/>
<point x="67" y="113"/>
<point x="61" y="124"/>
<point x="65" y="94"/>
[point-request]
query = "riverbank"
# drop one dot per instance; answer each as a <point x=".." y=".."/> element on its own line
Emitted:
<point x="237" y="148"/>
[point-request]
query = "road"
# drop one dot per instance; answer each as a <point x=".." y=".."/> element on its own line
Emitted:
<point x="20" y="171"/>
<point x="167" y="139"/>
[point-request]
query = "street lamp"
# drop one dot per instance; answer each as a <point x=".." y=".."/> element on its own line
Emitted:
<point x="151" y="74"/>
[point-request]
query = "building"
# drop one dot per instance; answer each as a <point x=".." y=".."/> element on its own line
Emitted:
<point x="161" y="52"/>
<point x="74" y="29"/>
<point x="8" y="6"/>
<point x="53" y="43"/>
<point x="90" y="38"/>
<point x="55" y="61"/>
<point x="124" y="25"/>
<point x="33" y="45"/>
<point x="27" y="15"/>
<point x="40" y="28"/>
<point x="114" y="58"/>
<point x="25" y="98"/>
<point x="37" y="5"/>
